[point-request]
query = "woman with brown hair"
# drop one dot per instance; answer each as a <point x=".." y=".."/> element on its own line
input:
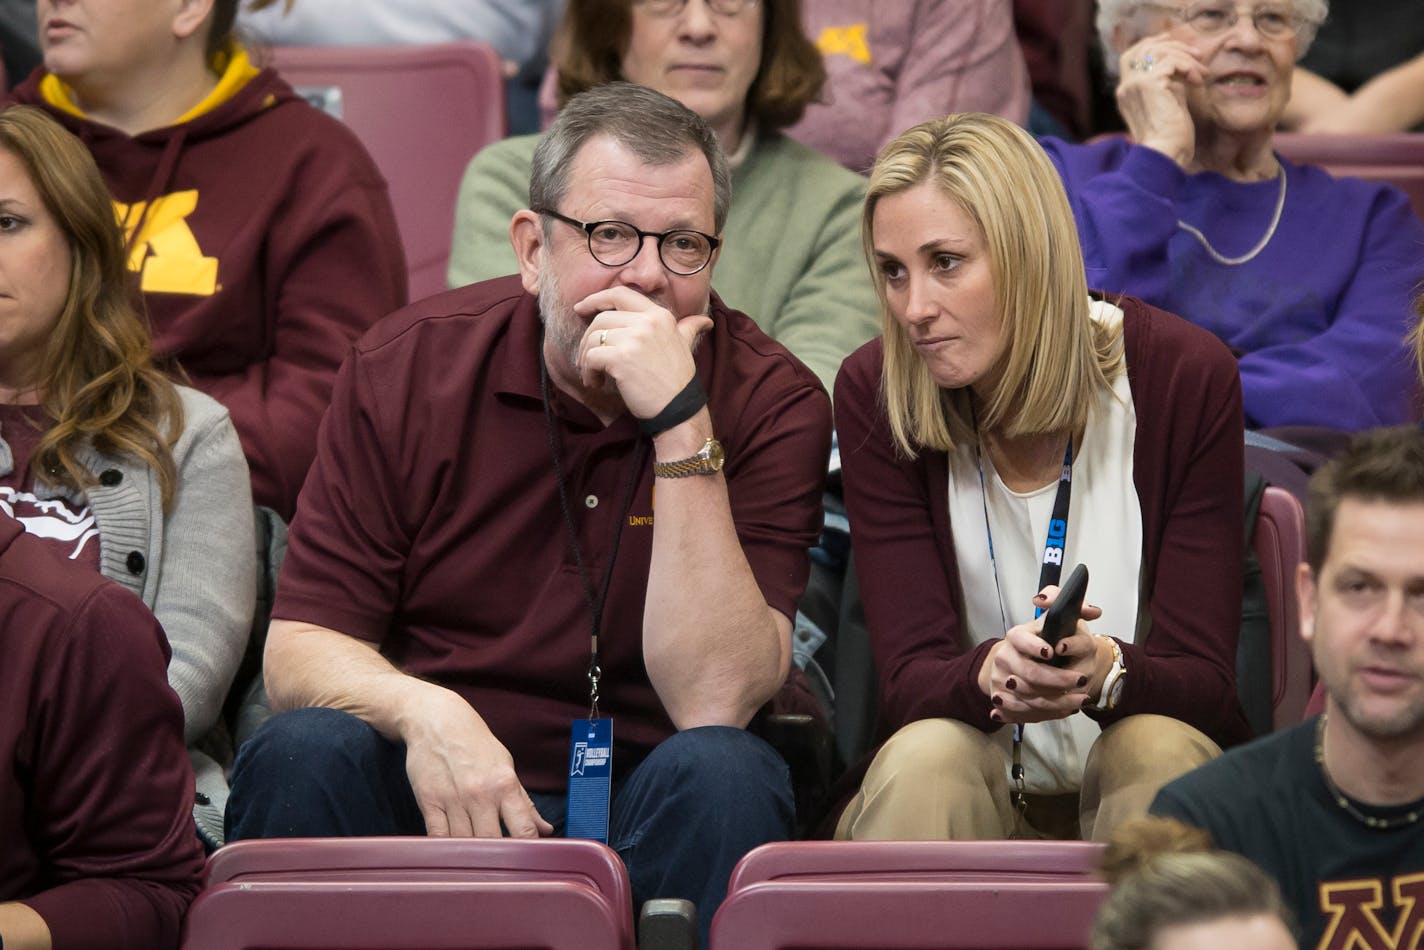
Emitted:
<point x="100" y="454"/>
<point x="261" y="231"/>
<point x="789" y="258"/>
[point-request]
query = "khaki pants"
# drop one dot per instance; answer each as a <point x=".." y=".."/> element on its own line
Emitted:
<point x="939" y="779"/>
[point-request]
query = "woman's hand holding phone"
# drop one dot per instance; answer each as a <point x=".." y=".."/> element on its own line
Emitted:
<point x="1023" y="683"/>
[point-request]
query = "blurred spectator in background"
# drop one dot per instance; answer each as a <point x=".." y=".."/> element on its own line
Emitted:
<point x="1056" y="37"/>
<point x="1171" y="891"/>
<point x="1306" y="277"/>
<point x="19" y="41"/>
<point x="1364" y="72"/>
<point x="893" y="65"/>
<point x="261" y="230"/>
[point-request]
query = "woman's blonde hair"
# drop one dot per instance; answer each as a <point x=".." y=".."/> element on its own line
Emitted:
<point x="97" y="380"/>
<point x="1165" y="874"/>
<point x="1053" y="356"/>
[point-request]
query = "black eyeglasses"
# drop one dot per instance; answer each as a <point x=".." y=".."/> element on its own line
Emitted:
<point x="615" y="243"/>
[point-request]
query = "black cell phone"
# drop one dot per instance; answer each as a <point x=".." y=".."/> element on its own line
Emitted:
<point x="1061" y="620"/>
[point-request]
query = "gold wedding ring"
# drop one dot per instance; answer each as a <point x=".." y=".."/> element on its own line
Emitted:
<point x="602" y="337"/>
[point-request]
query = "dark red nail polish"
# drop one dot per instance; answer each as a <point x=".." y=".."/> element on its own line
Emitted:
<point x="996" y="699"/>
<point x="1045" y="653"/>
<point x="995" y="716"/>
<point x="1011" y="683"/>
<point x="1082" y="681"/>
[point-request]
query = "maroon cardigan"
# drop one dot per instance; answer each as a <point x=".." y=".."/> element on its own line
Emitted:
<point x="1187" y="467"/>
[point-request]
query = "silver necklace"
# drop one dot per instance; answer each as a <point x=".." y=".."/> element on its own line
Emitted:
<point x="1261" y="246"/>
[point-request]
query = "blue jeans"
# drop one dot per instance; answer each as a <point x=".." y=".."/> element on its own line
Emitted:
<point x="680" y="820"/>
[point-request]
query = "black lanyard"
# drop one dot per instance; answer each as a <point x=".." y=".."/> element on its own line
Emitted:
<point x="595" y="603"/>
<point x="1049" y="572"/>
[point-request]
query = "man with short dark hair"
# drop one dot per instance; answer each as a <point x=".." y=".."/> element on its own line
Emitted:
<point x="97" y="847"/>
<point x="585" y="491"/>
<point x="1334" y="807"/>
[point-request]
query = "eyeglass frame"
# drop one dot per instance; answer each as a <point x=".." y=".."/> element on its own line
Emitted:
<point x="676" y="7"/>
<point x="1301" y="24"/>
<point x="588" y="227"/>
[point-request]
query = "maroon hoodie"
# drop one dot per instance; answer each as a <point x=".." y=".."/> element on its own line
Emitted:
<point x="96" y="791"/>
<point x="266" y="244"/>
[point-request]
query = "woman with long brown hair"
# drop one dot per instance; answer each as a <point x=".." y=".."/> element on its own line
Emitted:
<point x="100" y="453"/>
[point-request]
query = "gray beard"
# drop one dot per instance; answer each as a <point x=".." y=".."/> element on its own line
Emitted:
<point x="564" y="329"/>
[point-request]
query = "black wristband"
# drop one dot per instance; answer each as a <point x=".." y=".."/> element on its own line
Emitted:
<point x="683" y="406"/>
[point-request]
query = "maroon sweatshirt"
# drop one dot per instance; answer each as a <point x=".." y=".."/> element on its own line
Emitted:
<point x="96" y="792"/>
<point x="266" y="244"/>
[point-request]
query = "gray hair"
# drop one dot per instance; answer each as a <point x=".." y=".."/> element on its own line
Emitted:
<point x="655" y="128"/>
<point x="1114" y="12"/>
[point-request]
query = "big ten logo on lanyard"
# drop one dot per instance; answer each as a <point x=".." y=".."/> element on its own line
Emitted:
<point x="590" y="779"/>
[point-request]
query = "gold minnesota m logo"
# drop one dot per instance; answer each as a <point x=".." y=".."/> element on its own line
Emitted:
<point x="165" y="249"/>
<point x="845" y="41"/>
<point x="1354" y="911"/>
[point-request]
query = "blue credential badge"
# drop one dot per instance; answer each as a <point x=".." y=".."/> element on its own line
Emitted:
<point x="590" y="778"/>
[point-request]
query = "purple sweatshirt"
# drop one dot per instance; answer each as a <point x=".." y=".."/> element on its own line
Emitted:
<point x="1317" y="319"/>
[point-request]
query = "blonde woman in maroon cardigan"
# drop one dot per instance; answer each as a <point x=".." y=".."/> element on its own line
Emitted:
<point x="997" y="373"/>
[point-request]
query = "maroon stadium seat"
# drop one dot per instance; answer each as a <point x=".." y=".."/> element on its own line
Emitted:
<point x="907" y="894"/>
<point x="424" y="887"/>
<point x="422" y="112"/>
<point x="1279" y="542"/>
<point x="1393" y="157"/>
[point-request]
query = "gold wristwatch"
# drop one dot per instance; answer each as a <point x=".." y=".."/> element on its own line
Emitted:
<point x="706" y="462"/>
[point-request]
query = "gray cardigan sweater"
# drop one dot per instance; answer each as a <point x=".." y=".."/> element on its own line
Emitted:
<point x="195" y="568"/>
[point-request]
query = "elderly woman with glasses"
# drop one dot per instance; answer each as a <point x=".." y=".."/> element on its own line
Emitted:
<point x="1306" y="277"/>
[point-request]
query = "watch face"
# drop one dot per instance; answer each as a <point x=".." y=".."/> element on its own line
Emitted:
<point x="715" y="455"/>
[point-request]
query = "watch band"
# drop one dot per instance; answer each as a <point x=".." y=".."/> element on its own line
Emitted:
<point x="706" y="462"/>
<point x="1111" y="692"/>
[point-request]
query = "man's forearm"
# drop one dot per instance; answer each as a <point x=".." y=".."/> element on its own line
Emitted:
<point x="308" y="665"/>
<point x="714" y="650"/>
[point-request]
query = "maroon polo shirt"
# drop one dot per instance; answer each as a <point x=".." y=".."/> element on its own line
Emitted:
<point x="430" y="523"/>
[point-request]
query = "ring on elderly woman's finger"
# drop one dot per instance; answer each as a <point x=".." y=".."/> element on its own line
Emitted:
<point x="602" y="337"/>
<point x="1145" y="64"/>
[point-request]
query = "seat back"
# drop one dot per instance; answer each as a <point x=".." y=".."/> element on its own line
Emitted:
<point x="422" y="112"/>
<point x="830" y="861"/>
<point x="1279" y="543"/>
<point x="391" y="915"/>
<point x="900" y="915"/>
<point x="429" y="861"/>
<point x="1396" y="158"/>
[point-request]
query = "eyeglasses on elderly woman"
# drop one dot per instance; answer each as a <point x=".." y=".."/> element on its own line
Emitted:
<point x="1272" y="20"/>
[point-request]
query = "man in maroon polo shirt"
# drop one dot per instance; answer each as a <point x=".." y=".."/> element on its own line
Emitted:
<point x="597" y="444"/>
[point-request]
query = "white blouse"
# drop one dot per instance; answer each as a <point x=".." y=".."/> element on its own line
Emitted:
<point x="1104" y="532"/>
